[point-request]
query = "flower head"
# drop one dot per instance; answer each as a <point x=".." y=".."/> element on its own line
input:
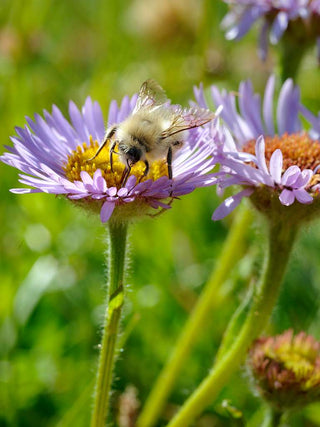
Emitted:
<point x="300" y="19"/>
<point x="286" y="369"/>
<point x="54" y="157"/>
<point x="273" y="160"/>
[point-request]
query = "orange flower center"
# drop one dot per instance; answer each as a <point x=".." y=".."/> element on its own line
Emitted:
<point x="297" y="149"/>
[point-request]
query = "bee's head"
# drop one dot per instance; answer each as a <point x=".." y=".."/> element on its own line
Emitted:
<point x="131" y="152"/>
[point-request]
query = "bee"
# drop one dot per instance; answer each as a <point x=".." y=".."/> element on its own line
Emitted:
<point x="155" y="130"/>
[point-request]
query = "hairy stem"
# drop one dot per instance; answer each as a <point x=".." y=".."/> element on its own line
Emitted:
<point x="117" y="251"/>
<point x="281" y="238"/>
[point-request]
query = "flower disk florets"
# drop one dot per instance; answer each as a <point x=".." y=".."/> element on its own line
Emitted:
<point x="286" y="369"/>
<point x="298" y="149"/>
<point x="80" y="160"/>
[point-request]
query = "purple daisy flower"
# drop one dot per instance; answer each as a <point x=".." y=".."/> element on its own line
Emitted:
<point x="300" y="18"/>
<point x="265" y="156"/>
<point x="53" y="155"/>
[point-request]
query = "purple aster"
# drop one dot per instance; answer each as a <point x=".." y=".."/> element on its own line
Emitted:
<point x="52" y="153"/>
<point x="264" y="151"/>
<point x="299" y="18"/>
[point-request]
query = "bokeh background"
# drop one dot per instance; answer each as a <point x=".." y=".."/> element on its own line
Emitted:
<point x="52" y="265"/>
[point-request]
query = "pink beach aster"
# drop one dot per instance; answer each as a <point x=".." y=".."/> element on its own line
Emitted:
<point x="52" y="153"/>
<point x="298" y="18"/>
<point x="268" y="153"/>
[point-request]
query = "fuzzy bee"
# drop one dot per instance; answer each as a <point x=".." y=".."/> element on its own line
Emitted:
<point x="153" y="131"/>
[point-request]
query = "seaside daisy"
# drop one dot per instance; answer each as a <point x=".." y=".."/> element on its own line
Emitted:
<point x="56" y="156"/>
<point x="275" y="160"/>
<point x="286" y="369"/>
<point x="299" y="19"/>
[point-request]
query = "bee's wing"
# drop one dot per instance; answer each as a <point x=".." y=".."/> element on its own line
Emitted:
<point x="150" y="94"/>
<point x="188" y="118"/>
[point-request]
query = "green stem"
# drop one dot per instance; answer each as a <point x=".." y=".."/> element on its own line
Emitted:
<point x="281" y="238"/>
<point x="234" y="326"/>
<point x="117" y="245"/>
<point x="273" y="418"/>
<point x="291" y="56"/>
<point x="211" y="295"/>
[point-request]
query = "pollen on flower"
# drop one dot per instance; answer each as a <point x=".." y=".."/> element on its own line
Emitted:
<point x="79" y="160"/>
<point x="297" y="149"/>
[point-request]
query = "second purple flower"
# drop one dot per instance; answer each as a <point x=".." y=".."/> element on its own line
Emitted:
<point x="267" y="157"/>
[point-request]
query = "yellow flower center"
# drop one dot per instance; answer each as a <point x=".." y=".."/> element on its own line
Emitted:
<point x="79" y="160"/>
<point x="297" y="149"/>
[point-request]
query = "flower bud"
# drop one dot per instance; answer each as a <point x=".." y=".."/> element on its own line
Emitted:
<point x="286" y="369"/>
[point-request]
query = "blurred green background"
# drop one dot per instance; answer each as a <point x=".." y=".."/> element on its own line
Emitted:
<point x="52" y="271"/>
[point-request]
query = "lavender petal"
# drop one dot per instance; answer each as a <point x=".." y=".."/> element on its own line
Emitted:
<point x="286" y="197"/>
<point x="230" y="204"/>
<point x="106" y="211"/>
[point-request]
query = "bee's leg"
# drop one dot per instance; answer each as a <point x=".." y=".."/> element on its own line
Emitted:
<point x="169" y="162"/>
<point x="125" y="175"/>
<point x="111" y="153"/>
<point x="163" y="209"/>
<point x="99" y="149"/>
<point x="107" y="137"/>
<point x="146" y="171"/>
